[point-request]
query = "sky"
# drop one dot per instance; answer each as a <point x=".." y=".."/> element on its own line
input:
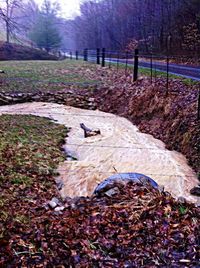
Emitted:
<point x="70" y="8"/>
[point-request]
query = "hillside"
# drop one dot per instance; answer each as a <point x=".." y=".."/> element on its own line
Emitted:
<point x="19" y="52"/>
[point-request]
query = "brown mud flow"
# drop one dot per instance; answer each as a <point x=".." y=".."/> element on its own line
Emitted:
<point x="120" y="148"/>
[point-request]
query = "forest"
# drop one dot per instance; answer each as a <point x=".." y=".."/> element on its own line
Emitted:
<point x="153" y="26"/>
<point x="156" y="26"/>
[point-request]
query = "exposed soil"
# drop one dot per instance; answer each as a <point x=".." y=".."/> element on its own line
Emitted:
<point x="169" y="116"/>
<point x="19" y="52"/>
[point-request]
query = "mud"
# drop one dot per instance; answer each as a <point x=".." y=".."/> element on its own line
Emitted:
<point x="120" y="148"/>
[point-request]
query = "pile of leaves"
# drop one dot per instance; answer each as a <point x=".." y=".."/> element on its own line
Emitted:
<point x="136" y="227"/>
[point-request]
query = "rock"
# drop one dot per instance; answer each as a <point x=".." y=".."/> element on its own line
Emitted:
<point x="195" y="191"/>
<point x="8" y="98"/>
<point x="52" y="204"/>
<point x="112" y="192"/>
<point x="36" y="98"/>
<point x="161" y="188"/>
<point x="181" y="200"/>
<point x="59" y="184"/>
<point x="69" y="158"/>
<point x="73" y="206"/>
<point x="70" y="98"/>
<point x="54" y="199"/>
<point x="123" y="178"/>
<point x="59" y="208"/>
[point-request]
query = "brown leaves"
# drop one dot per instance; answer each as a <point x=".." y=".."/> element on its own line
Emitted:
<point x="103" y="231"/>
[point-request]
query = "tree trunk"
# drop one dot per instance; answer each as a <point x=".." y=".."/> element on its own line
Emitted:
<point x="7" y="32"/>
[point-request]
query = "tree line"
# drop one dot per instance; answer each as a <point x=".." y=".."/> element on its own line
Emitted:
<point x="24" y="20"/>
<point x="153" y="26"/>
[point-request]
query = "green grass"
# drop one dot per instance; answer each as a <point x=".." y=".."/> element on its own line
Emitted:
<point x="30" y="150"/>
<point x="147" y="72"/>
<point x="31" y="76"/>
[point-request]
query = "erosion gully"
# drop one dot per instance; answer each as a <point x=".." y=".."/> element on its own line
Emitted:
<point x="120" y="148"/>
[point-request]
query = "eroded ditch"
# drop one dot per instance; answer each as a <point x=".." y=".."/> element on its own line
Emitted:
<point x="120" y="148"/>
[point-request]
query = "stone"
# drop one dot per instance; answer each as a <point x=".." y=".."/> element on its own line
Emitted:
<point x="73" y="206"/>
<point x="59" y="208"/>
<point x="123" y="178"/>
<point x="54" y="199"/>
<point x="195" y="191"/>
<point x="181" y="200"/>
<point x="112" y="192"/>
<point x="161" y="188"/>
<point x="59" y="184"/>
<point x="52" y="204"/>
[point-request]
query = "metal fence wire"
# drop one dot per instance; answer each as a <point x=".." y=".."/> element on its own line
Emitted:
<point x="140" y="63"/>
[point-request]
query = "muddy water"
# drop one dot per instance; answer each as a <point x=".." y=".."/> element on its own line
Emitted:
<point x="119" y="148"/>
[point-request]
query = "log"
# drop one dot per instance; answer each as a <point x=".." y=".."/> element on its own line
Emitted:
<point x="89" y="132"/>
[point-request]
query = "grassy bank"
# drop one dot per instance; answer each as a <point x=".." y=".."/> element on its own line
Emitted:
<point x="30" y="150"/>
<point x="31" y="76"/>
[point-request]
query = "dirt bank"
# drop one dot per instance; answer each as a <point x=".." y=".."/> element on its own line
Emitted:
<point x="170" y="117"/>
<point x="19" y="52"/>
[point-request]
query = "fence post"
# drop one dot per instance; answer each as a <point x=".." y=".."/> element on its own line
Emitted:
<point x="103" y="57"/>
<point x="126" y="66"/>
<point x="151" y="64"/>
<point x="76" y="54"/>
<point x="85" y="54"/>
<point x="136" y="64"/>
<point x="70" y="55"/>
<point x="118" y="61"/>
<point x="167" y="76"/>
<point x="98" y="55"/>
<point x="198" y="112"/>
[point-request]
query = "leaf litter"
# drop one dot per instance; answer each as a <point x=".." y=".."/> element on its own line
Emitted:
<point x="137" y="227"/>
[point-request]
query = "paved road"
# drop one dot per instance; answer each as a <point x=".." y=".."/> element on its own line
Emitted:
<point x="181" y="70"/>
<point x="177" y="69"/>
<point x="185" y="71"/>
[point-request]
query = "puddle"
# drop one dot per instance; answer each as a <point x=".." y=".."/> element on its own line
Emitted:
<point x="120" y="148"/>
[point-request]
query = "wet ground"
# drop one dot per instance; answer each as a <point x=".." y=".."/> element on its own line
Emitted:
<point x="120" y="148"/>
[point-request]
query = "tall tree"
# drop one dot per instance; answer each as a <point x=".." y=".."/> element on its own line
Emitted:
<point x="155" y="25"/>
<point x="45" y="32"/>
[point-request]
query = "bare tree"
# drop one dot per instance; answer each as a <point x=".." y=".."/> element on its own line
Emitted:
<point x="7" y="15"/>
<point x="155" y="25"/>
